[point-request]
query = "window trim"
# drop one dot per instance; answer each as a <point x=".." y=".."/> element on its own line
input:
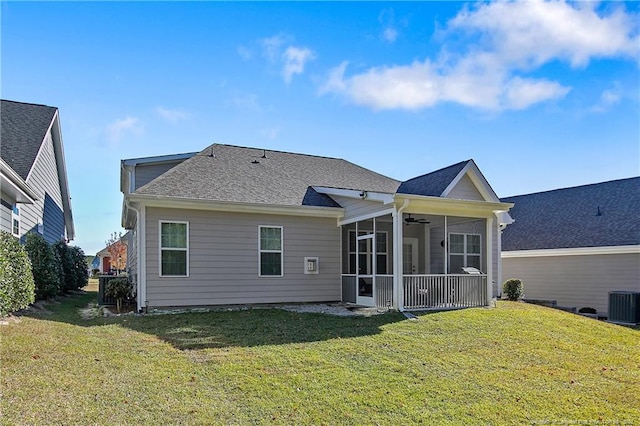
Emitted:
<point x="160" y="248"/>
<point x="281" y="251"/>
<point x="15" y="218"/>
<point x="465" y="254"/>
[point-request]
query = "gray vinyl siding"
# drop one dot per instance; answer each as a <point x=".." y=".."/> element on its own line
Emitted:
<point x="5" y="213"/>
<point x="223" y="260"/>
<point x="355" y="208"/>
<point x="47" y="209"/>
<point x="465" y="189"/>
<point x="577" y="281"/>
<point x="145" y="173"/>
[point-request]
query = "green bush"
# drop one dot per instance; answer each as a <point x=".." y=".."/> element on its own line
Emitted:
<point x="44" y="266"/>
<point x="65" y="260"/>
<point x="120" y="289"/>
<point x="513" y="288"/>
<point x="81" y="273"/>
<point x="16" y="279"/>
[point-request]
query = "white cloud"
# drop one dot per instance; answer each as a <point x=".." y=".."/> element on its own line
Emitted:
<point x="521" y="93"/>
<point x="389" y="32"/>
<point x="271" y="46"/>
<point x="608" y="99"/>
<point x="171" y="115"/>
<point x="120" y="128"/>
<point x="295" y="59"/>
<point x="506" y="41"/>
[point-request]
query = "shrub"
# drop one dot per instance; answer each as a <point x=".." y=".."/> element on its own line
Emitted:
<point x="119" y="289"/>
<point x="81" y="273"/>
<point x="44" y="266"/>
<point x="16" y="279"/>
<point x="513" y="288"/>
<point x="68" y="276"/>
<point x="587" y="310"/>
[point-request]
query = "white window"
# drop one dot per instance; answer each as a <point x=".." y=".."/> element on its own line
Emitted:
<point x="365" y="250"/>
<point x="464" y="251"/>
<point x="270" y="259"/>
<point x="15" y="221"/>
<point x="174" y="249"/>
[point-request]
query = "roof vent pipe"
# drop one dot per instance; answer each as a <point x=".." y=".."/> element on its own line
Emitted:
<point x="264" y="154"/>
<point x="211" y="154"/>
<point x="599" y="213"/>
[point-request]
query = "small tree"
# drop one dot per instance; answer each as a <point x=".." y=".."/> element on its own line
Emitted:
<point x="17" y="290"/>
<point x="119" y="289"/>
<point x="43" y="264"/>
<point x="117" y="251"/>
<point x="513" y="288"/>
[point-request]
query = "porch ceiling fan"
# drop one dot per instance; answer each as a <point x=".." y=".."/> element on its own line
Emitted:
<point x="409" y="220"/>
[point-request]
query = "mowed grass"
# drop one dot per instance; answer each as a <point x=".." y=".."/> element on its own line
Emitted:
<point x="515" y="364"/>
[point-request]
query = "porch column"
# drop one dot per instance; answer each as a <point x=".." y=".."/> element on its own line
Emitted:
<point x="489" y="251"/>
<point x="398" y="302"/>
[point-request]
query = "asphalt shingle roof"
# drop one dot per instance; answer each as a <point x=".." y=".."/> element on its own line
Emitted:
<point x="23" y="129"/>
<point x="568" y="218"/>
<point x="239" y="174"/>
<point x="432" y="184"/>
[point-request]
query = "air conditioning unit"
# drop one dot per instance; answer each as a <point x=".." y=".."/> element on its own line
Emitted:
<point x="624" y="307"/>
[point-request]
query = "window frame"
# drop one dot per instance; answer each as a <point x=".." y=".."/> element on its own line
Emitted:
<point x="15" y="220"/>
<point x="260" y="250"/>
<point x="465" y="254"/>
<point x="161" y="249"/>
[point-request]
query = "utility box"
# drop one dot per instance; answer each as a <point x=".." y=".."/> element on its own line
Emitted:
<point x="311" y="265"/>
<point x="624" y="307"/>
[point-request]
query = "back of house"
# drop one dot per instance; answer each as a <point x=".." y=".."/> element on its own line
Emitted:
<point x="236" y="225"/>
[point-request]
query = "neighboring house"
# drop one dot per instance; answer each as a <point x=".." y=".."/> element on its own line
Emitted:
<point x="34" y="189"/>
<point x="236" y="225"/>
<point x="575" y="245"/>
<point x="103" y="262"/>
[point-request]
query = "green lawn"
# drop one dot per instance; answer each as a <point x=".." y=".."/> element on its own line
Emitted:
<point x="516" y="364"/>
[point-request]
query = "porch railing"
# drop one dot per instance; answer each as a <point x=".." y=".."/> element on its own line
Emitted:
<point x="444" y="291"/>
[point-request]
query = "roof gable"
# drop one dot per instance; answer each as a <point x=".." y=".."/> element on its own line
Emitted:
<point x="596" y="215"/>
<point x="461" y="180"/>
<point x="23" y="129"/>
<point x="230" y="173"/>
<point x="432" y="184"/>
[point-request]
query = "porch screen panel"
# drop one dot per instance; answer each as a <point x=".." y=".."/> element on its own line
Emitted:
<point x="464" y="251"/>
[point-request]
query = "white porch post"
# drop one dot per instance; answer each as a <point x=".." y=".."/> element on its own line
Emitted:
<point x="397" y="257"/>
<point x="489" y="251"/>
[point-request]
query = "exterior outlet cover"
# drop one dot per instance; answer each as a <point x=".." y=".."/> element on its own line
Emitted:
<point x="311" y="265"/>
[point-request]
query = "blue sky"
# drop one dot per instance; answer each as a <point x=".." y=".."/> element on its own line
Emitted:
<point x="540" y="95"/>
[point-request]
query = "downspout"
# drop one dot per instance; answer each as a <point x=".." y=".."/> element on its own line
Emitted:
<point x="397" y="256"/>
<point x="139" y="291"/>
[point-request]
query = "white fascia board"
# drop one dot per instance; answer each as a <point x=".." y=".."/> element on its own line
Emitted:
<point x="157" y="159"/>
<point x="195" y="204"/>
<point x="478" y="180"/>
<point x="382" y="197"/>
<point x="576" y="251"/>
<point x="12" y="184"/>
<point x="419" y="204"/>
